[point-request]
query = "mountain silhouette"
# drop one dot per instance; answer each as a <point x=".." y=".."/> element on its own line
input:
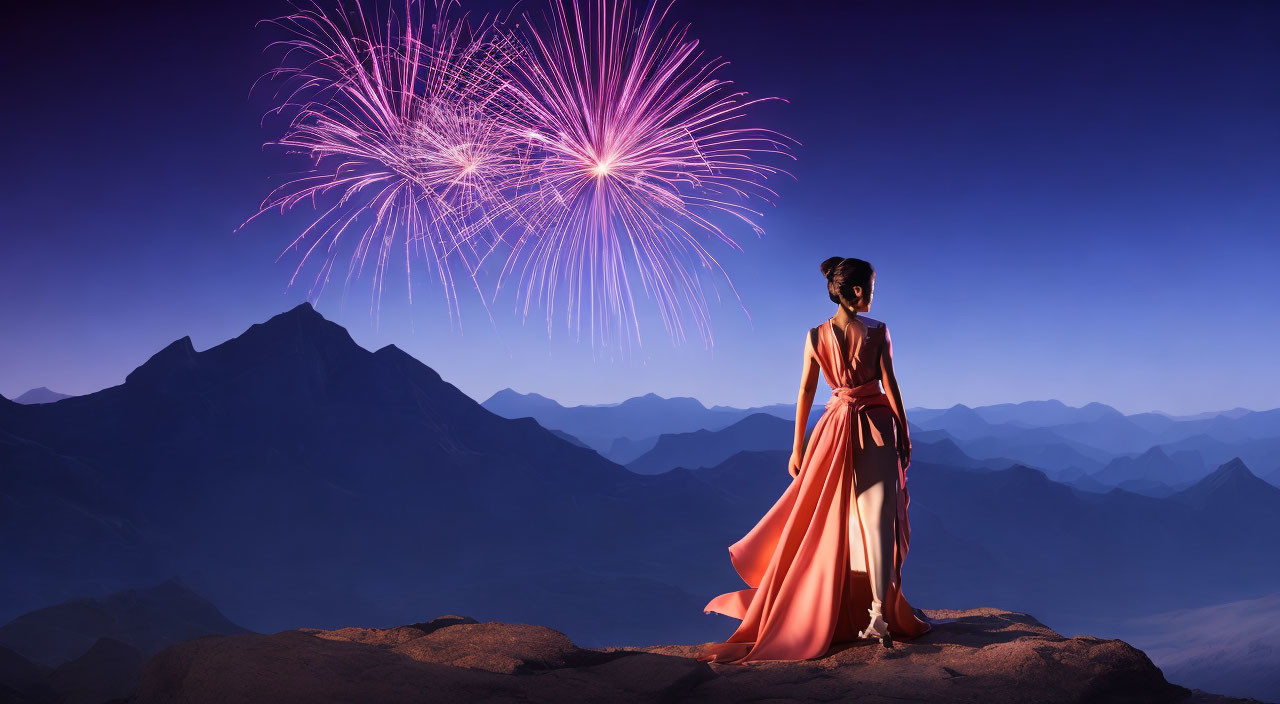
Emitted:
<point x="946" y="452"/>
<point x="959" y="420"/>
<point x="1073" y="444"/>
<point x="705" y="448"/>
<point x="509" y="403"/>
<point x="1032" y="543"/>
<point x="636" y="418"/>
<point x="763" y="432"/>
<point x="1111" y="432"/>
<point x="1274" y="477"/>
<point x="1231" y="487"/>
<point x="148" y="620"/>
<point x="623" y="450"/>
<point x="40" y="394"/>
<point x="754" y="479"/>
<point x="1040" y="414"/>
<point x="1152" y="468"/>
<point x="294" y="478"/>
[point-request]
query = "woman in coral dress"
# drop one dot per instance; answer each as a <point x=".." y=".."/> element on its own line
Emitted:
<point x="824" y="564"/>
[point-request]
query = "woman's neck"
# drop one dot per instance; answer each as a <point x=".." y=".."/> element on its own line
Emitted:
<point x="843" y="317"/>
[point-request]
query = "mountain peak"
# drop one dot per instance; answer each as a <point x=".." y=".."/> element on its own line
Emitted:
<point x="283" y="340"/>
<point x="960" y="413"/>
<point x="510" y="400"/>
<point x="653" y="400"/>
<point x="40" y="394"/>
<point x="1234" y="467"/>
<point x="1155" y="452"/>
<point x="761" y="421"/>
<point x="1232" y="482"/>
<point x="303" y="313"/>
<point x="177" y="357"/>
<point x="298" y="326"/>
<point x="303" y="309"/>
<point x="1095" y="411"/>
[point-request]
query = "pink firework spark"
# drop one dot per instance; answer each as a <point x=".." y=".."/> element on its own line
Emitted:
<point x="637" y="147"/>
<point x="395" y="120"/>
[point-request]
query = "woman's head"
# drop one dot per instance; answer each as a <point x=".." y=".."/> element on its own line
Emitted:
<point x="850" y="282"/>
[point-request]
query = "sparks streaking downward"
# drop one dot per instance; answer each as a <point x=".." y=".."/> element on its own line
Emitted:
<point x="590" y="140"/>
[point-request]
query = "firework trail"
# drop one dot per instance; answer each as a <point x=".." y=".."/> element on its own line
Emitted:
<point x="392" y="114"/>
<point x="636" y="145"/>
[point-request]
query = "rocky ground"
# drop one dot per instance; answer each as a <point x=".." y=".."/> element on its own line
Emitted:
<point x="977" y="655"/>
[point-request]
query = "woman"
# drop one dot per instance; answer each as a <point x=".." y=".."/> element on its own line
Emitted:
<point x="833" y="543"/>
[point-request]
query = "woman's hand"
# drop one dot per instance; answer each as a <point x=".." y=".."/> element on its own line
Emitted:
<point x="904" y="449"/>
<point x="793" y="465"/>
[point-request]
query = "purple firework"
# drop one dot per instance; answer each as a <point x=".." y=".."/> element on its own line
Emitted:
<point x="393" y="115"/>
<point x="639" y="149"/>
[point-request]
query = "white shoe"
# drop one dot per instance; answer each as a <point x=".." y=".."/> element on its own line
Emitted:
<point x="878" y="628"/>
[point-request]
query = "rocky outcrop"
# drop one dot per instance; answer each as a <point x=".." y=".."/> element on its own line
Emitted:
<point x="980" y="655"/>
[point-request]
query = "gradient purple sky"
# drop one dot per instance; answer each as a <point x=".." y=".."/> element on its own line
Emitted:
<point x="1064" y="200"/>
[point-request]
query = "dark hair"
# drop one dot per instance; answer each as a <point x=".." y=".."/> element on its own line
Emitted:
<point x="843" y="273"/>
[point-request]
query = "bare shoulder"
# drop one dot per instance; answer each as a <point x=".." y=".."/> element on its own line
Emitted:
<point x="872" y="323"/>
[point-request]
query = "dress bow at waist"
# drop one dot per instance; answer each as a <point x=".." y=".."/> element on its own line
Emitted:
<point x="860" y="396"/>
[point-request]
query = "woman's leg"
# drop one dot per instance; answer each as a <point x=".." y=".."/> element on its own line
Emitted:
<point x="876" y="474"/>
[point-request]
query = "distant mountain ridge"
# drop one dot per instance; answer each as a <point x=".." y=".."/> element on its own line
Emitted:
<point x="599" y="426"/>
<point x="1094" y="445"/>
<point x="707" y="448"/>
<point x="40" y="394"/>
<point x="762" y="431"/>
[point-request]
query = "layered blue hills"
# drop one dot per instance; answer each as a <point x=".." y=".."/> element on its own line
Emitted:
<point x="1093" y="447"/>
<point x="293" y="478"/>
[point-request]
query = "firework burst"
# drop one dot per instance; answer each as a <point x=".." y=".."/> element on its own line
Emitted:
<point x="589" y="141"/>
<point x="638" y="148"/>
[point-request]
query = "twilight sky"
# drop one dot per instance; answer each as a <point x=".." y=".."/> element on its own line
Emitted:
<point x="1063" y="200"/>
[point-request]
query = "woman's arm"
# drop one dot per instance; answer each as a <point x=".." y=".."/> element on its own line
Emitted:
<point x="895" y="399"/>
<point x="804" y="401"/>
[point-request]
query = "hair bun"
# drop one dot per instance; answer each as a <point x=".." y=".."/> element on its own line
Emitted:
<point x="829" y="266"/>
<point x="843" y="275"/>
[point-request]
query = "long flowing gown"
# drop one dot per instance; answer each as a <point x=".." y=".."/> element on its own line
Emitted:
<point x="803" y="593"/>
